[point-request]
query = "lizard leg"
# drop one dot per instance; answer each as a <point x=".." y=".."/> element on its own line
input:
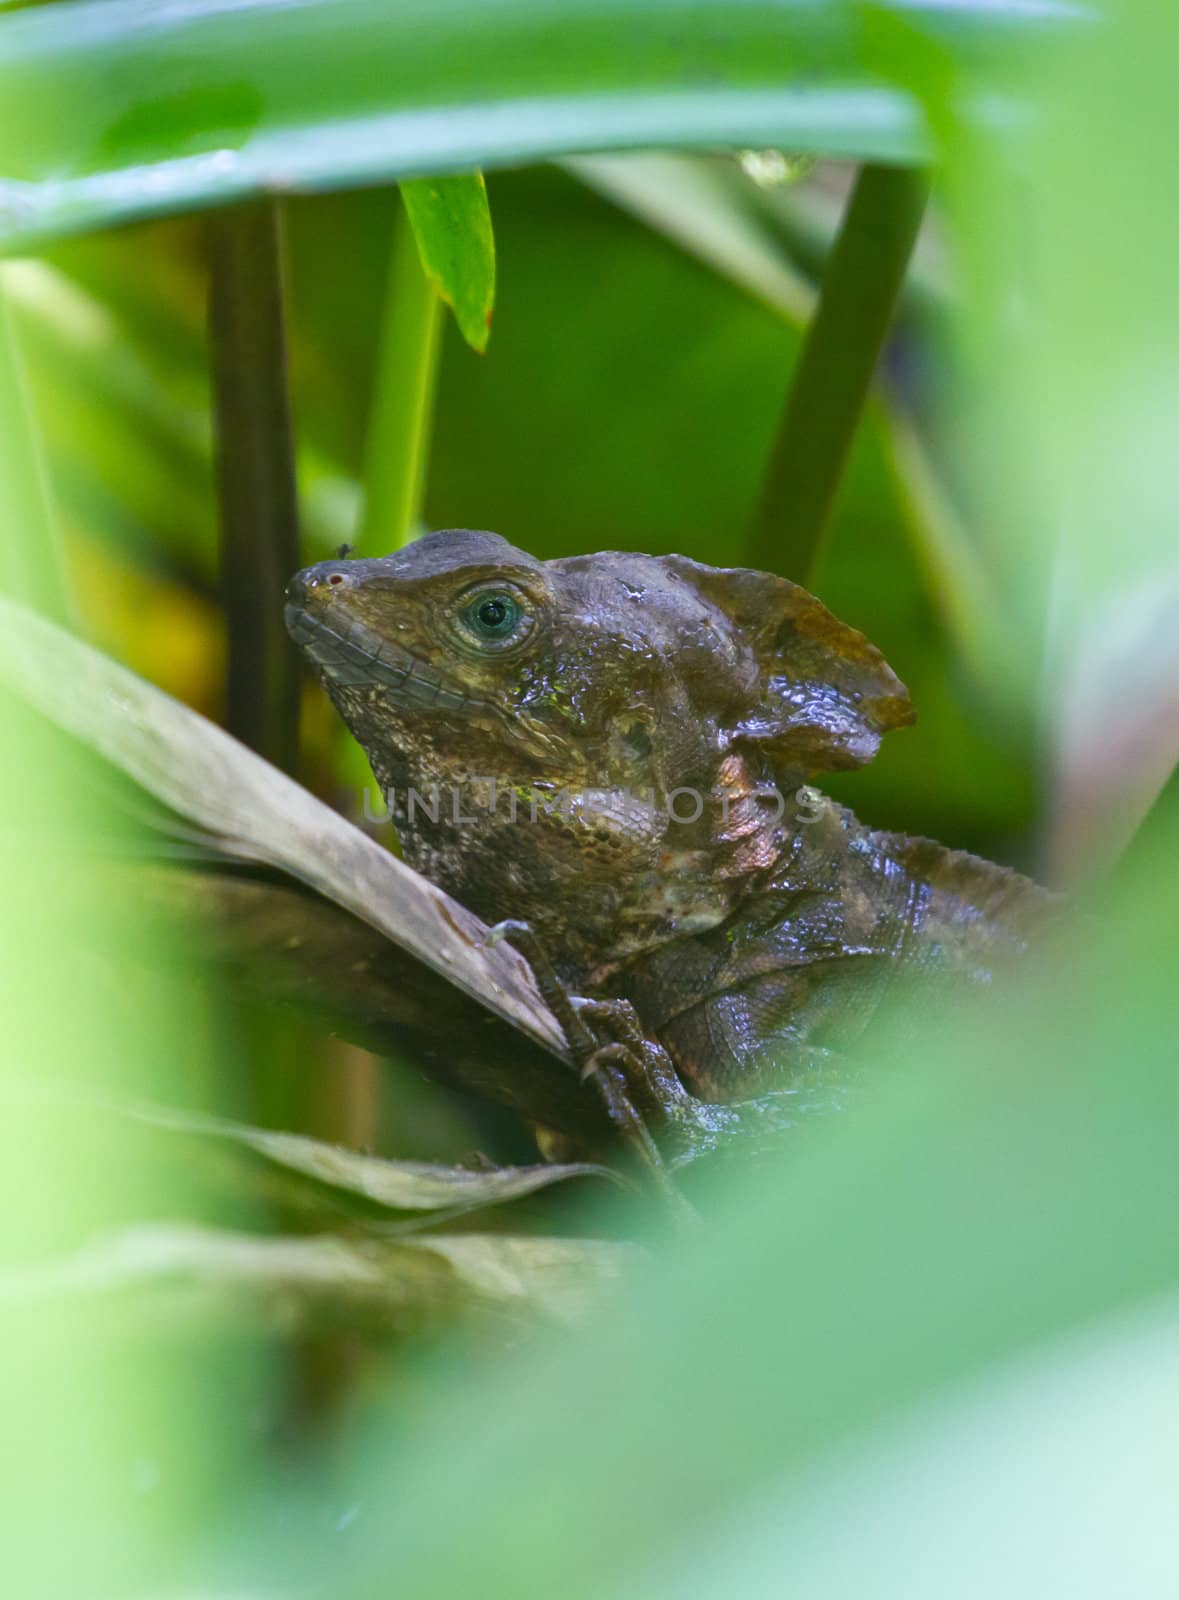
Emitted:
<point x="596" y="1061"/>
<point x="653" y="1076"/>
<point x="639" y="1082"/>
<point x="688" y="1127"/>
<point x="564" y="1006"/>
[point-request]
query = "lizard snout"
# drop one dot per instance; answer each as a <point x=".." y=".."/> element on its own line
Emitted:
<point x="319" y="579"/>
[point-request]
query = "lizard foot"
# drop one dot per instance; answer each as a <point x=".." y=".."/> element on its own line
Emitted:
<point x="688" y="1127"/>
<point x="621" y="1065"/>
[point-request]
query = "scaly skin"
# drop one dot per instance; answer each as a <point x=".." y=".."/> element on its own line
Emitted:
<point x="651" y="726"/>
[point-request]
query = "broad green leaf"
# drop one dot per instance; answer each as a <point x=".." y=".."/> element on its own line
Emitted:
<point x="452" y="225"/>
<point x="112" y="109"/>
<point x="971" y="1491"/>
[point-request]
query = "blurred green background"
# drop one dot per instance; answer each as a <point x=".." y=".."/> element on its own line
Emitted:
<point x="967" y="1284"/>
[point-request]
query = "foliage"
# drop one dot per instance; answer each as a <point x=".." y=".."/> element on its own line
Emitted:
<point x="950" y="1309"/>
<point x="452" y="225"/>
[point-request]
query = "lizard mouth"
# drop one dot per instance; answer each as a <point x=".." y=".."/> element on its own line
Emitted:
<point x="353" y="656"/>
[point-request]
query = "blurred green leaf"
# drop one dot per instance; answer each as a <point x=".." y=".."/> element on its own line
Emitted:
<point x="159" y="1274"/>
<point x="110" y="110"/>
<point x="451" y="222"/>
<point x="36" y="576"/>
<point x="699" y="206"/>
<point x="414" y="1186"/>
<point x="1091" y="387"/>
<point x="82" y="1418"/>
<point x="1010" y="1179"/>
<point x="442" y="249"/>
<point x="119" y="383"/>
<point x="1050" y="1474"/>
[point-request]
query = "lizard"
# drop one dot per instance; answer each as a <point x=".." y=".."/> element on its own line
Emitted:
<point x="612" y="754"/>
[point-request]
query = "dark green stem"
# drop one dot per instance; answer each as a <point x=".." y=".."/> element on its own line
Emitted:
<point x="255" y="477"/>
<point x="835" y="367"/>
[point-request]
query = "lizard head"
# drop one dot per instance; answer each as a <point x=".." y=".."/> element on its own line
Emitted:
<point x="558" y="705"/>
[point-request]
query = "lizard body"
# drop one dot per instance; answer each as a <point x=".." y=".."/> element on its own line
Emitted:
<point x="616" y="749"/>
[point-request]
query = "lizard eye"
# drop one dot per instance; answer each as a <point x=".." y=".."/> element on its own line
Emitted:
<point x="495" y="618"/>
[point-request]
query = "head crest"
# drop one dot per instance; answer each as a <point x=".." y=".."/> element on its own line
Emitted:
<point x="826" y="695"/>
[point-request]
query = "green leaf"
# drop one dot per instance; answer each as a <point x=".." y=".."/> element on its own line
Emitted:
<point x="118" y="381"/>
<point x="1010" y="1182"/>
<point x="159" y="1275"/>
<point x="31" y="568"/>
<point x="451" y="222"/>
<point x="257" y="813"/>
<point x="110" y="109"/>
<point x="418" y="1186"/>
<point x="695" y="203"/>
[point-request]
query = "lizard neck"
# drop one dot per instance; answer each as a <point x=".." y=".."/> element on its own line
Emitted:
<point x="602" y="875"/>
<point x="720" y="845"/>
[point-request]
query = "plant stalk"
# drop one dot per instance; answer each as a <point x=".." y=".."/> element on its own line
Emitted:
<point x="403" y="400"/>
<point x="840" y="351"/>
<point x="255" y="466"/>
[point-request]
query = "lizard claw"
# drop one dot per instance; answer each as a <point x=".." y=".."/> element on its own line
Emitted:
<point x="500" y="931"/>
<point x="607" y="1054"/>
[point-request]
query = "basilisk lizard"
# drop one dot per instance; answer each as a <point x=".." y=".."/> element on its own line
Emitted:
<point x="614" y="750"/>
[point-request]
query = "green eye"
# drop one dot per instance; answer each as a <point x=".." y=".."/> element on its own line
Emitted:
<point x="493" y="615"/>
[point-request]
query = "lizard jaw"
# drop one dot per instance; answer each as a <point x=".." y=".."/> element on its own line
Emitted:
<point x="351" y="655"/>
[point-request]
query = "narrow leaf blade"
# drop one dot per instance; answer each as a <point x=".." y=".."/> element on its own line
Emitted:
<point x="451" y="222"/>
<point x="257" y="813"/>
